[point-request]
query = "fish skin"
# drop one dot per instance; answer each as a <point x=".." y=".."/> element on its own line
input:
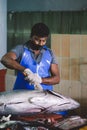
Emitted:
<point x="34" y="101"/>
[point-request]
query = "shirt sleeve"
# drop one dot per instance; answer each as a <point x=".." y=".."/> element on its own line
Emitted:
<point x="54" y="59"/>
<point x="18" y="50"/>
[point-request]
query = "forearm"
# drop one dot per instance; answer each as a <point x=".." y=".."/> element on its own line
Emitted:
<point x="51" y="80"/>
<point x="11" y="63"/>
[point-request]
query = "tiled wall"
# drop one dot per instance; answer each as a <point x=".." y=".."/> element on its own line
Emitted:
<point x="71" y="52"/>
<point x="9" y="79"/>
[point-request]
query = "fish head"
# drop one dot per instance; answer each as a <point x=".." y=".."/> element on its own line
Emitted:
<point x="61" y="103"/>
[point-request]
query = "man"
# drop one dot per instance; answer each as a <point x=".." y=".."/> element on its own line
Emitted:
<point x="36" y="64"/>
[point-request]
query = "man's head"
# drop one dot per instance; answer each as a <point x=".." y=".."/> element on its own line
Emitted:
<point x="40" y="30"/>
<point x="39" y="35"/>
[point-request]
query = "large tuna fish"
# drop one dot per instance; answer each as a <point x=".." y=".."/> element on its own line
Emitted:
<point x="24" y="102"/>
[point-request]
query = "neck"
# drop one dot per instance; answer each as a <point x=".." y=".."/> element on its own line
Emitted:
<point x="36" y="52"/>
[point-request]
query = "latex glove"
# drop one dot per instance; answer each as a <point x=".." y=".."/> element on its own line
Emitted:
<point x="27" y="72"/>
<point x="33" y="78"/>
<point x="29" y="75"/>
<point x="37" y="78"/>
<point x="38" y="86"/>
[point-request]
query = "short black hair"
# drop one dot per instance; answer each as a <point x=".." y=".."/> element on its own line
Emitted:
<point x="40" y="30"/>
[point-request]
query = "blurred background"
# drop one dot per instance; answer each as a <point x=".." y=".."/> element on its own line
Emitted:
<point x="67" y="20"/>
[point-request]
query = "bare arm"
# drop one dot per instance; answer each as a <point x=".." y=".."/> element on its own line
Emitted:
<point x="9" y="61"/>
<point x="55" y="76"/>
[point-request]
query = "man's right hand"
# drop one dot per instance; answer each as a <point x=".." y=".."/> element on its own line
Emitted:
<point x="33" y="78"/>
<point x="27" y="72"/>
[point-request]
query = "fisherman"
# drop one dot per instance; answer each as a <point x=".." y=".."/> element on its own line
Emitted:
<point x="34" y="61"/>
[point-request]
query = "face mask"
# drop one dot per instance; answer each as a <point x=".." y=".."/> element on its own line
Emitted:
<point x="35" y="46"/>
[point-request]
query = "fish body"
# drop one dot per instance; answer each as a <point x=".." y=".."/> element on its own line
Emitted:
<point x="26" y="101"/>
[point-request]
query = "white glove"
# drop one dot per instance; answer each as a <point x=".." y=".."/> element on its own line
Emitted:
<point x="27" y="72"/>
<point x="37" y="78"/>
<point x="38" y="86"/>
<point x="33" y="78"/>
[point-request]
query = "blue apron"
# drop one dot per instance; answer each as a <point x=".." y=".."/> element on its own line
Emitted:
<point x="42" y="69"/>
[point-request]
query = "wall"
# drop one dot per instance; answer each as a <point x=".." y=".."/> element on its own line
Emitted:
<point x="10" y="79"/>
<point x="46" y="5"/>
<point x="71" y="52"/>
<point x="3" y="28"/>
<point x="3" y="40"/>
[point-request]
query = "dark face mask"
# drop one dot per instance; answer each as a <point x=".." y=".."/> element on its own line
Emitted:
<point x="33" y="46"/>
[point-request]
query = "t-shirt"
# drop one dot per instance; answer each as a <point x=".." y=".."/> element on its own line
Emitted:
<point x="19" y="50"/>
